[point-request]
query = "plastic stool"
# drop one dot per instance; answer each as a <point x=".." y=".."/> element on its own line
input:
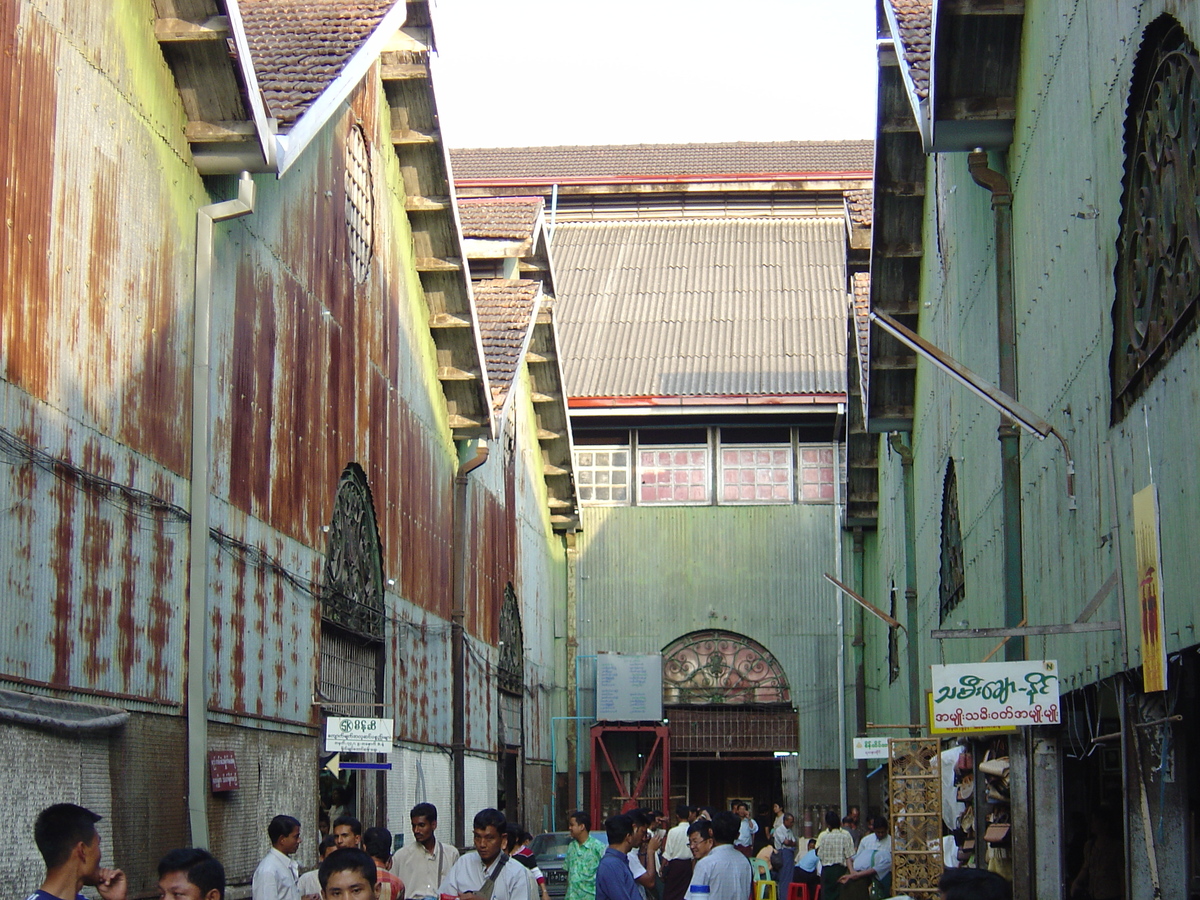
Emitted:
<point x="766" y="890"/>
<point x="798" y="891"/>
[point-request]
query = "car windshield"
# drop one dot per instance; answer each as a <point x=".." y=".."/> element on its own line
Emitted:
<point x="548" y="847"/>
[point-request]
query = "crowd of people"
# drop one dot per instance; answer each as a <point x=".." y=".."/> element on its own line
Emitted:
<point x="705" y="856"/>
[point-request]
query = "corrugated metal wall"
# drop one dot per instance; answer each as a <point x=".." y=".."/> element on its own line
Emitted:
<point x="648" y="575"/>
<point x="1066" y="219"/>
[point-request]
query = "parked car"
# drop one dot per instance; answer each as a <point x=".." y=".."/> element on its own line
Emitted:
<point x="550" y="851"/>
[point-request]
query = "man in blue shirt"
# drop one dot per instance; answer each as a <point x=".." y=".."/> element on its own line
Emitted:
<point x="66" y="836"/>
<point x="614" y="881"/>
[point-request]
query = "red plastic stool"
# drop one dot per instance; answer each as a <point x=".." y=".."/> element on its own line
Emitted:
<point x="798" y="891"/>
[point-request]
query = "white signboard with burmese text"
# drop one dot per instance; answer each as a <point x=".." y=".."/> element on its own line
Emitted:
<point x="981" y="695"/>
<point x="629" y="687"/>
<point x="354" y="734"/>
<point x="870" y="748"/>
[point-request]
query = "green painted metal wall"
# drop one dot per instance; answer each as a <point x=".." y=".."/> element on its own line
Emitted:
<point x="648" y="575"/>
<point x="1066" y="166"/>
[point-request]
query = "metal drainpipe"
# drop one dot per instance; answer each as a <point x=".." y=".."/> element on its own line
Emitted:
<point x="1010" y="436"/>
<point x="197" y="640"/>
<point x="860" y="661"/>
<point x="841" y="618"/>
<point x="901" y="444"/>
<point x="458" y="727"/>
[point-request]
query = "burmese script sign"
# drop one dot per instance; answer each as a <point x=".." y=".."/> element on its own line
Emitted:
<point x="358" y="735"/>
<point x="628" y="687"/>
<point x="977" y="695"/>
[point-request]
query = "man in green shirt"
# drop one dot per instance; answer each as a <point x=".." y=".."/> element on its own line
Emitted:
<point x="583" y="856"/>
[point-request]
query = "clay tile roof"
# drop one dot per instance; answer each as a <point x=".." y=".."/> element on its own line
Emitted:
<point x="626" y="161"/>
<point x="504" y="308"/>
<point x="915" y="20"/>
<point x="511" y="218"/>
<point x="862" y="327"/>
<point x="299" y="48"/>
<point x="858" y="207"/>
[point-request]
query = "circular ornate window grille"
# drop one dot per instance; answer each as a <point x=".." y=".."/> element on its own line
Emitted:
<point x="352" y="593"/>
<point x="1158" y="268"/>
<point x="512" y="646"/>
<point x="360" y="203"/>
<point x="721" y="667"/>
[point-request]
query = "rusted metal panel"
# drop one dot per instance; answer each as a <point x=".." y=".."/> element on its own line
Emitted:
<point x="94" y="576"/>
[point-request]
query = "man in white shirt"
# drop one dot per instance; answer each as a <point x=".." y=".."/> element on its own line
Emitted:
<point x="722" y="873"/>
<point x="423" y="864"/>
<point x="783" y="836"/>
<point x="747" y="829"/>
<point x="677" y="856"/>
<point x="485" y="873"/>
<point x="277" y="876"/>
<point x="874" y="857"/>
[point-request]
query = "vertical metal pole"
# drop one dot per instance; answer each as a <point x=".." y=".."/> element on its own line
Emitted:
<point x="1010" y="439"/>
<point x="197" y="633"/>
<point x="841" y="621"/>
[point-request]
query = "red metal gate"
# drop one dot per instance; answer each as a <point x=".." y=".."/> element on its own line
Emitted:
<point x="653" y="785"/>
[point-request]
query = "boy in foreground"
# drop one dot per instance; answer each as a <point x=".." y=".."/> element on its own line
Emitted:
<point x="348" y="874"/>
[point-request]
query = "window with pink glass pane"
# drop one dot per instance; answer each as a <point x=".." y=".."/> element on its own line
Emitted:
<point x="756" y="474"/>
<point x="673" y="475"/>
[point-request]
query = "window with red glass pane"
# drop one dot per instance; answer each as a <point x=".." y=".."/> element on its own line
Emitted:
<point x="816" y="474"/>
<point x="675" y="475"/>
<point x="756" y="474"/>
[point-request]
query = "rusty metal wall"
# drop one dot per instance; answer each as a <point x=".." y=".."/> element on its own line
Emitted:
<point x="94" y="302"/>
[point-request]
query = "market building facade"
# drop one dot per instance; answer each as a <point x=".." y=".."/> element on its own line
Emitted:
<point x="1033" y="221"/>
<point x="255" y="473"/>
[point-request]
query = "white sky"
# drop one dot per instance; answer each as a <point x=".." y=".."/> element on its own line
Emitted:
<point x="516" y="73"/>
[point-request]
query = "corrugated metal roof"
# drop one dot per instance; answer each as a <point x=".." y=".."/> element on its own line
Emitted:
<point x="505" y="309"/>
<point x="702" y="307"/>
<point x="299" y="48"/>
<point x="501" y="218"/>
<point x="915" y="21"/>
<point x="662" y="160"/>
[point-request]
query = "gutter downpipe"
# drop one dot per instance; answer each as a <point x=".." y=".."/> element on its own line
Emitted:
<point x="198" y="528"/>
<point x="903" y="447"/>
<point x="458" y="727"/>
<point x="1010" y="436"/>
<point x="841" y="619"/>
<point x="858" y="562"/>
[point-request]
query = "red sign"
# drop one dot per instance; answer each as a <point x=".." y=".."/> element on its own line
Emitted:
<point x="222" y="770"/>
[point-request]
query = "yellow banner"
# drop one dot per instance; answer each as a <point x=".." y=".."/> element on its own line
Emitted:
<point x="1149" y="569"/>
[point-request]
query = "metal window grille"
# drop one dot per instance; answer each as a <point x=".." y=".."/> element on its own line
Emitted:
<point x="893" y="643"/>
<point x="721" y="667"/>
<point x="352" y="590"/>
<point x="360" y="204"/>
<point x="953" y="579"/>
<point x="1158" y="268"/>
<point x="512" y="646"/>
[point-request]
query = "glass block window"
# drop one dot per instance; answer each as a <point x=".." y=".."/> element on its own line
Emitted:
<point x="674" y="475"/>
<point x="816" y="470"/>
<point x="756" y="474"/>
<point x="602" y="476"/>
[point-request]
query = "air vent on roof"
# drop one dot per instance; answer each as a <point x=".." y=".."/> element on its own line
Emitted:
<point x="360" y="203"/>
